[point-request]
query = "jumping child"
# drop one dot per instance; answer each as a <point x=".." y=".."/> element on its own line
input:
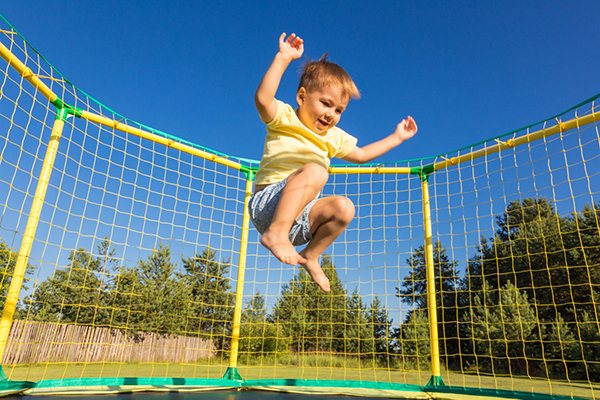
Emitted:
<point x="297" y="153"/>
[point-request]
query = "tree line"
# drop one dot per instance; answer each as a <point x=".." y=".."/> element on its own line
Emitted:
<point x="526" y="303"/>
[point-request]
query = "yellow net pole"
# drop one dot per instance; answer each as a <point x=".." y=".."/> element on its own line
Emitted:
<point x="239" y="292"/>
<point x="371" y="170"/>
<point x="26" y="73"/>
<point x="16" y="282"/>
<point x="40" y="86"/>
<point x="430" y="276"/>
<point x="159" y="139"/>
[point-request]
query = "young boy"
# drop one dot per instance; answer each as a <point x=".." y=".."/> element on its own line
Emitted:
<point x="298" y="148"/>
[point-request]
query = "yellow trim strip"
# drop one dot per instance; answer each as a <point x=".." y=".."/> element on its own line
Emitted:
<point x="531" y="137"/>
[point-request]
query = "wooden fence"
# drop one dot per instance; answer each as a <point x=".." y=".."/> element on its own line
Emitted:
<point x="34" y="342"/>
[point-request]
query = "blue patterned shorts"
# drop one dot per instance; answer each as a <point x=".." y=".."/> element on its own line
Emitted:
<point x="262" y="207"/>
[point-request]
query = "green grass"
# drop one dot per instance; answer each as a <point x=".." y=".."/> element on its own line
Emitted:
<point x="308" y="367"/>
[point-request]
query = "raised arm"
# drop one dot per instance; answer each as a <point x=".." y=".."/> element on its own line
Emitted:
<point x="405" y="130"/>
<point x="290" y="49"/>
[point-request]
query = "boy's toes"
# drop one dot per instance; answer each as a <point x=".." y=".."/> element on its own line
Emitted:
<point x="318" y="276"/>
<point x="324" y="285"/>
<point x="300" y="259"/>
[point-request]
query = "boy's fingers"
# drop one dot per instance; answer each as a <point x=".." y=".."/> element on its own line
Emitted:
<point x="297" y="43"/>
<point x="412" y="125"/>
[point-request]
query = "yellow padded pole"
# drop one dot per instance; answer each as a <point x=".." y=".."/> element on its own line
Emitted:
<point x="430" y="276"/>
<point x="370" y="170"/>
<point x="531" y="137"/>
<point x="239" y="291"/>
<point x="26" y="73"/>
<point x="26" y="243"/>
<point x="159" y="139"/>
<point x="40" y="86"/>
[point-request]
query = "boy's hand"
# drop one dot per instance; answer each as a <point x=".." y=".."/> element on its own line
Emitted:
<point x="292" y="47"/>
<point x="406" y="129"/>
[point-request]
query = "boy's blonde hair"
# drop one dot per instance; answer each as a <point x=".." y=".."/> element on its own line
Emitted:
<point x="321" y="73"/>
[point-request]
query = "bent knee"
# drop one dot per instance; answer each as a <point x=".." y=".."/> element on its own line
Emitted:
<point x="317" y="173"/>
<point x="344" y="209"/>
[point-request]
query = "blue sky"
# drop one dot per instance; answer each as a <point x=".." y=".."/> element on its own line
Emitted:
<point x="466" y="71"/>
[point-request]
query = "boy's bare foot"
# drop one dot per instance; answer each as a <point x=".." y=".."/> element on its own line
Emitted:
<point x="282" y="248"/>
<point x="316" y="273"/>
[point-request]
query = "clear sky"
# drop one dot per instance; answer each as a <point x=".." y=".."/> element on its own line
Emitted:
<point x="466" y="70"/>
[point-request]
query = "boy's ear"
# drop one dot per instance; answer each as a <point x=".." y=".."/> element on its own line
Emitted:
<point x="300" y="95"/>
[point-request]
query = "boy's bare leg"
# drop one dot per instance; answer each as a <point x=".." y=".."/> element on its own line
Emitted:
<point x="329" y="217"/>
<point x="301" y="188"/>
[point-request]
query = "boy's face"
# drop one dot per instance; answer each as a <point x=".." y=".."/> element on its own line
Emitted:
<point x="320" y="110"/>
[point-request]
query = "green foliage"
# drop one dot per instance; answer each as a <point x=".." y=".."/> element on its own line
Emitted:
<point x="528" y="303"/>
<point x="413" y="291"/>
<point x="315" y="321"/>
<point x="258" y="336"/>
<point x="75" y="293"/>
<point x="162" y="300"/>
<point x="152" y="296"/>
<point x="332" y="322"/>
<point x="126" y="301"/>
<point x="381" y="330"/>
<point x="559" y="344"/>
<point x="544" y="254"/>
<point x="415" y="347"/>
<point x="414" y="286"/>
<point x="589" y="331"/>
<point x="8" y="260"/>
<point x="358" y="335"/>
<point x="211" y="310"/>
<point x="503" y="323"/>
<point x="555" y="261"/>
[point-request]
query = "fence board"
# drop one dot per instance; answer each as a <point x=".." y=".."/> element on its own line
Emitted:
<point x="35" y="342"/>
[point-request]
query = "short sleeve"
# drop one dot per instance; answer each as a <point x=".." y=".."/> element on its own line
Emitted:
<point x="278" y="115"/>
<point x="347" y="143"/>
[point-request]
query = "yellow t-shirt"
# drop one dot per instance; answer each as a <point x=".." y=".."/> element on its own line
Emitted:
<point x="290" y="145"/>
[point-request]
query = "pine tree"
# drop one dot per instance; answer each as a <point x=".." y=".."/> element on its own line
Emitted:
<point x="8" y="259"/>
<point x="503" y="328"/>
<point x="414" y="345"/>
<point x="383" y="334"/>
<point x="211" y="311"/>
<point x="413" y="291"/>
<point x="555" y="261"/>
<point x="74" y="293"/>
<point x="358" y="332"/>
<point x="162" y="299"/>
<point x="544" y="254"/>
<point x="315" y="321"/>
<point x="260" y="337"/>
<point x="559" y="346"/>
